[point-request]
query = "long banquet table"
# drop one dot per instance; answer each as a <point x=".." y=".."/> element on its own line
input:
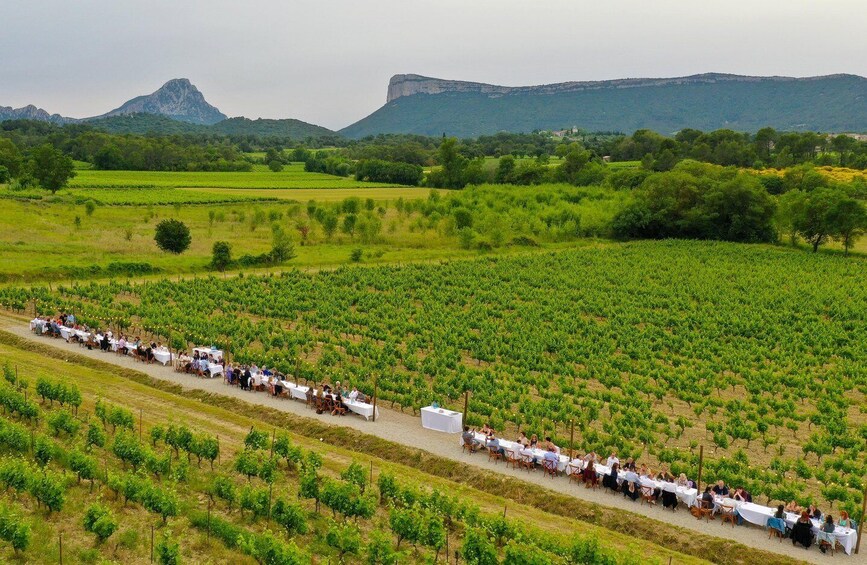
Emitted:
<point x="515" y="447"/>
<point x="758" y="515"/>
<point x="299" y="392"/>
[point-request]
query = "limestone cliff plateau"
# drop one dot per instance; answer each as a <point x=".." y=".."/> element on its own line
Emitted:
<point x="430" y="106"/>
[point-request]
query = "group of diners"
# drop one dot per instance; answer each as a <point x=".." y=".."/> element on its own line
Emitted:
<point x="802" y="532"/>
<point x="200" y="363"/>
<point x="635" y="481"/>
<point x="631" y="479"/>
<point x="66" y="326"/>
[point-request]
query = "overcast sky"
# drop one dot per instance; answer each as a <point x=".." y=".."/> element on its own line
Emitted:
<point x="329" y="61"/>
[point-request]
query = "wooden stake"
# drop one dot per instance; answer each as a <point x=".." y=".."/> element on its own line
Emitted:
<point x="152" y="543"/>
<point x="861" y="521"/>
<point x="466" y="405"/>
<point x="700" y="464"/>
<point x="60" y="546"/>
<point x="371" y="474"/>
<point x="375" y="385"/>
<point x="140" y="416"/>
<point x="572" y="440"/>
<point x="209" y="523"/>
<point x="273" y="439"/>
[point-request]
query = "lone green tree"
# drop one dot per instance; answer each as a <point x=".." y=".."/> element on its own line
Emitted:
<point x="847" y="221"/>
<point x="51" y="168"/>
<point x="221" y="255"/>
<point x="173" y="236"/>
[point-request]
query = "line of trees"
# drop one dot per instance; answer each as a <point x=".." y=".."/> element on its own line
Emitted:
<point x="766" y="148"/>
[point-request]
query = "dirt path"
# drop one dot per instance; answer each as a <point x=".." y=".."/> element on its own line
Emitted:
<point x="406" y="429"/>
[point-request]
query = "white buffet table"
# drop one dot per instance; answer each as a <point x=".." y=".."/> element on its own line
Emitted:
<point x="442" y="420"/>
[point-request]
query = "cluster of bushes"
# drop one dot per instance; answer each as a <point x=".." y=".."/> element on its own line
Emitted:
<point x="375" y="170"/>
<point x="46" y="487"/>
<point x="13" y="529"/>
<point x="63" y="393"/>
<point x="134" y="487"/>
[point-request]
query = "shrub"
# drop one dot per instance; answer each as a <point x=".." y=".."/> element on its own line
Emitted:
<point x="98" y="520"/>
<point x="168" y="552"/>
<point x="14" y="530"/>
<point x="221" y="255"/>
<point x="172" y="236"/>
<point x="356" y="254"/>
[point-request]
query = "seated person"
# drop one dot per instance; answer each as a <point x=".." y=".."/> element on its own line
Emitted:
<point x="794" y="507"/>
<point x="720" y="488"/>
<point x="742" y="495"/>
<point x="487" y="431"/>
<point x="551" y="458"/>
<point x="353" y="395"/>
<point x="826" y="534"/>
<point x="609" y="481"/>
<point x="527" y="454"/>
<point x="340" y="407"/>
<point x="846" y="521"/>
<point x="534" y="440"/>
<point x="494" y="444"/>
<point x="707" y="498"/>
<point x="612" y="459"/>
<point x="802" y="531"/>
<point x="682" y="481"/>
<point x="814" y="512"/>
<point x="470" y="439"/>
<point x="630" y="484"/>
<point x="522" y="439"/>
<point x="549" y="445"/>
<point x="669" y="495"/>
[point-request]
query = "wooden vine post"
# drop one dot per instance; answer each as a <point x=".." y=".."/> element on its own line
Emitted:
<point x="466" y="405"/>
<point x="700" y="464"/>
<point x="861" y="521"/>
<point x="375" y="388"/>
<point x="572" y="439"/>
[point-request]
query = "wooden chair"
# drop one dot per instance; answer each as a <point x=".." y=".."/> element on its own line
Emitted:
<point x="494" y="454"/>
<point x="705" y="510"/>
<point x="573" y="472"/>
<point x="647" y="495"/>
<point x="512" y="458"/>
<point x="309" y="400"/>
<point x="528" y="463"/>
<point x="550" y="468"/>
<point x="469" y="445"/>
<point x="774" y="530"/>
<point x="591" y="479"/>
<point x="727" y="514"/>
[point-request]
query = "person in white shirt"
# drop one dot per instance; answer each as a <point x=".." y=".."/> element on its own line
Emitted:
<point x="612" y="459"/>
<point x="527" y="454"/>
<point x="353" y="394"/>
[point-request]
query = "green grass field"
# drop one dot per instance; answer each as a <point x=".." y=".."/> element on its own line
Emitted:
<point x="293" y="176"/>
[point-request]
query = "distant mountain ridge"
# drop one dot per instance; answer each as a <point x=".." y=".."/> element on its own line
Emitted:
<point x="31" y="112"/>
<point x="162" y="125"/>
<point x="177" y="107"/>
<point x="177" y="99"/>
<point x="431" y="106"/>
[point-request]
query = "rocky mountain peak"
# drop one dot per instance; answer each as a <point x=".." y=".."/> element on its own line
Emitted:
<point x="178" y="99"/>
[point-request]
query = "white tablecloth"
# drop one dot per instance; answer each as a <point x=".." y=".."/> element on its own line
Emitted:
<point x="36" y="322"/>
<point x="66" y="333"/>
<point x="684" y="494"/>
<point x="163" y="357"/>
<point x="758" y="515"/>
<point x="208" y="351"/>
<point x="215" y="369"/>
<point x="442" y="420"/>
<point x="515" y="447"/>
<point x="361" y="408"/>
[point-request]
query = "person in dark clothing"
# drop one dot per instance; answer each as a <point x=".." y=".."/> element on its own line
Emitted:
<point x="802" y="531"/>
<point x="720" y="489"/>
<point x="610" y="481"/>
<point x="248" y="377"/>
